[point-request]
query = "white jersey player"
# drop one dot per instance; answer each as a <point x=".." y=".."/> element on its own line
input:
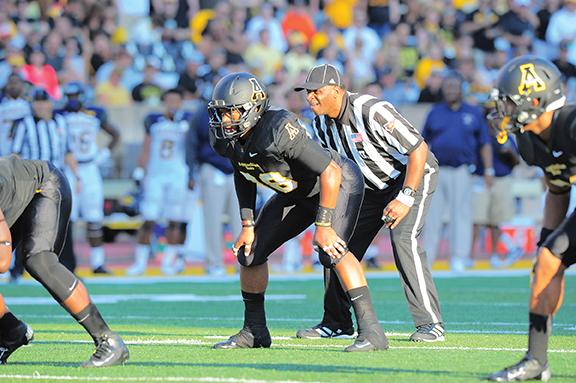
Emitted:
<point x="164" y="162"/>
<point x="84" y="125"/>
<point x="12" y="108"/>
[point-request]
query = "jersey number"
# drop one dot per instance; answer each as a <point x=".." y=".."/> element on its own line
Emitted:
<point x="166" y="149"/>
<point x="274" y="180"/>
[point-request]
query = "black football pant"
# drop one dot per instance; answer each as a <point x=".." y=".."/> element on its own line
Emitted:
<point x="409" y="257"/>
<point x="283" y="217"/>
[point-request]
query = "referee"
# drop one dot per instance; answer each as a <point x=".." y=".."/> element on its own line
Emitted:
<point x="43" y="136"/>
<point x="399" y="174"/>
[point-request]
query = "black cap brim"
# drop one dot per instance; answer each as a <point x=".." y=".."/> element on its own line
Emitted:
<point x="309" y="86"/>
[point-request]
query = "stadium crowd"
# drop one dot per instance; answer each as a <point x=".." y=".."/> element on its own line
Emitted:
<point x="130" y="52"/>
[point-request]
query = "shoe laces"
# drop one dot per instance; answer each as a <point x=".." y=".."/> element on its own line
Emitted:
<point x="426" y="328"/>
<point x="102" y="347"/>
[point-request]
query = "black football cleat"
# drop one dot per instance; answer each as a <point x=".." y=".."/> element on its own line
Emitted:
<point x="322" y="331"/>
<point x="110" y="351"/>
<point x="371" y="340"/>
<point x="432" y="332"/>
<point x="527" y="369"/>
<point x="101" y="270"/>
<point x="20" y="336"/>
<point x="246" y="339"/>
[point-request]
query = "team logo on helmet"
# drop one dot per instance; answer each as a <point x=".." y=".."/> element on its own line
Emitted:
<point x="530" y="80"/>
<point x="257" y="91"/>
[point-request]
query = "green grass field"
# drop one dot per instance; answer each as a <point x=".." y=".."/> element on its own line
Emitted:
<point x="170" y="327"/>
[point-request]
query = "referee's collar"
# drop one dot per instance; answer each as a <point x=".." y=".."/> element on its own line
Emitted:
<point x="343" y="115"/>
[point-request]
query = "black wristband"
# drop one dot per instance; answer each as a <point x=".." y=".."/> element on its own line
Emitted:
<point x="247" y="214"/>
<point x="324" y="216"/>
<point x="544" y="234"/>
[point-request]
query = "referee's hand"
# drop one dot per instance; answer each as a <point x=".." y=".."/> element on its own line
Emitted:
<point x="394" y="213"/>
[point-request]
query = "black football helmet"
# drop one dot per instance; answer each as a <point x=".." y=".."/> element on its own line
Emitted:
<point x="242" y="92"/>
<point x="75" y="96"/>
<point x="526" y="87"/>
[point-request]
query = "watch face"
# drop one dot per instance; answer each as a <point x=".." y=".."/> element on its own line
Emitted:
<point x="407" y="191"/>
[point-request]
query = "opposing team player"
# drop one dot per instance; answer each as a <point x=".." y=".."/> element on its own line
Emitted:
<point x="531" y="104"/>
<point x="84" y="124"/>
<point x="270" y="147"/>
<point x="167" y="176"/>
<point x="13" y="107"/>
<point x="35" y="204"/>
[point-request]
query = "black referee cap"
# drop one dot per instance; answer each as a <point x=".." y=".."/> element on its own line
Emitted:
<point x="319" y="76"/>
<point x="39" y="94"/>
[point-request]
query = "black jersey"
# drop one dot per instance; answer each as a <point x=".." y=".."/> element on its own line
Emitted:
<point x="557" y="157"/>
<point x="278" y="154"/>
<point x="19" y="181"/>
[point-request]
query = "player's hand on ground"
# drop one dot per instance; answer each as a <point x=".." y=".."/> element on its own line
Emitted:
<point x="245" y="239"/>
<point x="394" y="213"/>
<point x="191" y="185"/>
<point x="327" y="239"/>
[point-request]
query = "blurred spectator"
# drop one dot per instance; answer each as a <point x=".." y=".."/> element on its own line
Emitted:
<point x="188" y="80"/>
<point x="481" y="23"/>
<point x="544" y="14"/>
<point x="102" y="52"/>
<point x="219" y="202"/>
<point x="361" y="37"/>
<point x="455" y="132"/>
<point x="123" y="64"/>
<point x="331" y="55"/>
<point x="408" y="52"/>
<point x="339" y="13"/>
<point x="434" y="60"/>
<point x="265" y="20"/>
<point x="40" y="74"/>
<point x="396" y="91"/>
<point x="494" y="205"/>
<point x="53" y="50"/>
<point x="297" y="59"/>
<point x="432" y="92"/>
<point x="262" y="58"/>
<point x="297" y="19"/>
<point x="518" y="25"/>
<point x="562" y="29"/>
<point x="567" y="68"/>
<point x="326" y="36"/>
<point x="148" y="92"/>
<point x="382" y="15"/>
<point x="112" y="93"/>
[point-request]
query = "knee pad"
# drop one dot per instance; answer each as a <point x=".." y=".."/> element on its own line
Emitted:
<point x="251" y="260"/>
<point x="46" y="269"/>
<point x="329" y="262"/>
<point x="94" y="231"/>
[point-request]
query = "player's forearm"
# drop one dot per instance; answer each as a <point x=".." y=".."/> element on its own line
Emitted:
<point x="330" y="180"/>
<point x="246" y="194"/>
<point x="415" y="166"/>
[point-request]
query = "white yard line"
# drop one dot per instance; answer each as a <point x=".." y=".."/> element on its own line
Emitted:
<point x="208" y="379"/>
<point x="340" y="344"/>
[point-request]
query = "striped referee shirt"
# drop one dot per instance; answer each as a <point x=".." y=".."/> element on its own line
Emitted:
<point x="36" y="139"/>
<point x="373" y="134"/>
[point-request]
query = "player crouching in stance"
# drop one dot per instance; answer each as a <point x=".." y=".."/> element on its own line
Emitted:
<point x="35" y="204"/>
<point x="531" y="104"/>
<point x="272" y="148"/>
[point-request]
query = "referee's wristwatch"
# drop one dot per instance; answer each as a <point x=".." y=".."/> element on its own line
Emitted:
<point x="406" y="196"/>
<point x="408" y="191"/>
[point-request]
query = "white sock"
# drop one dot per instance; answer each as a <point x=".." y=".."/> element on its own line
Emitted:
<point x="141" y="255"/>
<point x="97" y="257"/>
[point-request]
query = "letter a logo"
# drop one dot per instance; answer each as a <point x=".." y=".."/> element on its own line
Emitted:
<point x="530" y="80"/>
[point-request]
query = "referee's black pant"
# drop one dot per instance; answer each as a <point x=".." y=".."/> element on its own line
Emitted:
<point x="409" y="257"/>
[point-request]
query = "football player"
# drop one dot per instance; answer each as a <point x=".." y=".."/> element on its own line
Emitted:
<point x="13" y="107"/>
<point x="531" y="104"/>
<point x="84" y="124"/>
<point x="312" y="185"/>
<point x="35" y="204"/>
<point x="167" y="176"/>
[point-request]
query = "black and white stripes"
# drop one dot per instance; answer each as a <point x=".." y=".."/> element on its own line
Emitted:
<point x="374" y="135"/>
<point x="41" y="140"/>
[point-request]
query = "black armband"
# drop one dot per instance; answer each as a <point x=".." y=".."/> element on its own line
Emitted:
<point x="324" y="216"/>
<point x="544" y="234"/>
<point x="559" y="192"/>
